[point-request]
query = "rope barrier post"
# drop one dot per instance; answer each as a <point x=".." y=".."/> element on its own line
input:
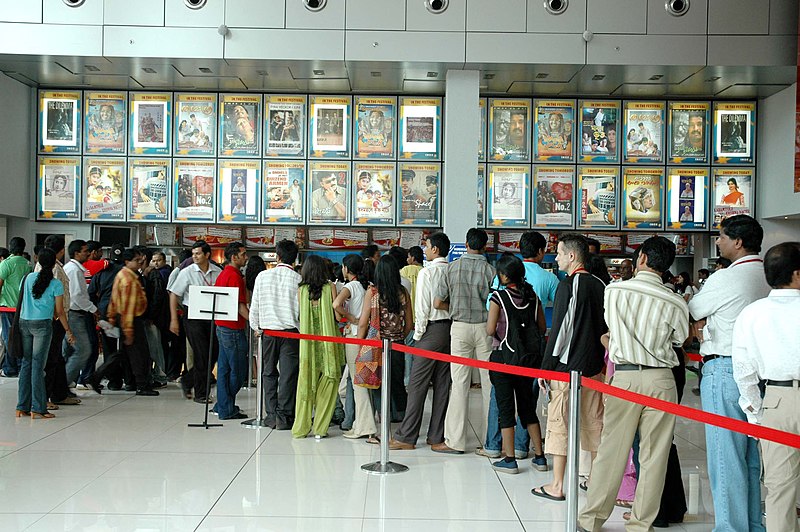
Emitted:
<point x="573" y="450"/>
<point x="384" y="466"/>
<point x="258" y="421"/>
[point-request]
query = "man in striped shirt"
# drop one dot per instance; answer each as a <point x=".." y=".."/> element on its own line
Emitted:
<point x="644" y="320"/>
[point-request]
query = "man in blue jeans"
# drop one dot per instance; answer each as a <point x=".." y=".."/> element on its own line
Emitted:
<point x="734" y="465"/>
<point x="233" y="350"/>
<point x="12" y="270"/>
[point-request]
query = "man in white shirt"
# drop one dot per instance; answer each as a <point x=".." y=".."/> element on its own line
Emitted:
<point x="275" y="307"/>
<point x="733" y="462"/>
<point x="80" y="308"/>
<point x="431" y="332"/>
<point x="766" y="346"/>
<point x="202" y="272"/>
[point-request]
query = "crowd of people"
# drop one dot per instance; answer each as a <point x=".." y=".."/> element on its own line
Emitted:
<point x="629" y="332"/>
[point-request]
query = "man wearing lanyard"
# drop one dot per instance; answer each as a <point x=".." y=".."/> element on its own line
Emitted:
<point x="201" y="273"/>
<point x="733" y="462"/>
<point x="82" y="311"/>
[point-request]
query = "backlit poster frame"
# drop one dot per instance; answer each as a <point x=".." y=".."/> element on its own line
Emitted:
<point x="507" y="116"/>
<point x="554" y="131"/>
<point x="599" y="130"/>
<point x="284" y="186"/>
<point x="105" y="122"/>
<point x="238" y="191"/>
<point x="328" y="119"/>
<point x="417" y="199"/>
<point x="603" y="209"/>
<point x="239" y="125"/>
<point x="734" y="133"/>
<point x="687" y="193"/>
<point x="417" y="116"/>
<point x="148" y="113"/>
<point x="322" y="208"/>
<point x="732" y="193"/>
<point x="553" y="204"/>
<point x="194" y="190"/>
<point x="104" y="189"/>
<point x="642" y="202"/>
<point x="60" y="121"/>
<point x="374" y="193"/>
<point x="195" y="124"/>
<point x="684" y="120"/>
<point x="141" y="192"/>
<point x="644" y="132"/>
<point x="374" y="121"/>
<point x="278" y="143"/>
<point x="59" y="188"/>
<point x="508" y="195"/>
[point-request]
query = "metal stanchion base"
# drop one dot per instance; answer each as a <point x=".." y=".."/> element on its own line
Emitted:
<point x="204" y="425"/>
<point x="377" y="468"/>
<point x="254" y="423"/>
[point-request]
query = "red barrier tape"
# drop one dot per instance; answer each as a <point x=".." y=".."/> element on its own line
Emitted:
<point x="695" y="357"/>
<point x="708" y="418"/>
<point x="8" y="309"/>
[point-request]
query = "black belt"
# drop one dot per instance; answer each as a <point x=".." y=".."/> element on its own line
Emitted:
<point x="633" y="367"/>
<point x="440" y="321"/>
<point x="81" y="311"/>
<point x="787" y="384"/>
<point x="708" y="358"/>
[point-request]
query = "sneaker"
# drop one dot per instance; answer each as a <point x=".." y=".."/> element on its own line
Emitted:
<point x="539" y="462"/>
<point x="506" y="466"/>
<point x="520" y="455"/>
<point x="481" y="451"/>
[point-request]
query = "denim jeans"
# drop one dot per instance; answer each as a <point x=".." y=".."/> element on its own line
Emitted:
<point x="494" y="438"/>
<point x="32" y="393"/>
<point x="349" y="405"/>
<point x="94" y="350"/>
<point x="10" y="363"/>
<point x="231" y="365"/>
<point x="734" y="465"/>
<point x="156" y="352"/>
<point x="77" y="355"/>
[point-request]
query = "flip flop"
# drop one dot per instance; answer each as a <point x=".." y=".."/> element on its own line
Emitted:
<point x="374" y="440"/>
<point x="623" y="503"/>
<point x="540" y="492"/>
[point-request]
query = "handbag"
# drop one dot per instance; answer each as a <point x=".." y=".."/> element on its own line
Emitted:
<point x="15" y="335"/>
<point x="369" y="361"/>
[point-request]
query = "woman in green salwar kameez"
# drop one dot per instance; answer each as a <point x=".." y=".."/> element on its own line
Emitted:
<point x="320" y="362"/>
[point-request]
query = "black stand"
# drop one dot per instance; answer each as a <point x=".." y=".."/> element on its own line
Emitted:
<point x="205" y="424"/>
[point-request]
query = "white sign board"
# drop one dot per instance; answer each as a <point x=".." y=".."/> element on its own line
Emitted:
<point x="202" y="298"/>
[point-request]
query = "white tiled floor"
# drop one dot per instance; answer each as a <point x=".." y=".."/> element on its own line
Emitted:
<point x="122" y="463"/>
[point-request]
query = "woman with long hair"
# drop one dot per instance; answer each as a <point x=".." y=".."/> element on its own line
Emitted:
<point x="254" y="266"/>
<point x="320" y="362"/>
<point x="42" y="298"/>
<point x="394" y="304"/>
<point x="684" y="286"/>
<point x="349" y="305"/>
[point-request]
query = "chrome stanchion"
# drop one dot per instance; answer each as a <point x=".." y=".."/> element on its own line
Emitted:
<point x="384" y="466"/>
<point x="258" y="421"/>
<point x="573" y="450"/>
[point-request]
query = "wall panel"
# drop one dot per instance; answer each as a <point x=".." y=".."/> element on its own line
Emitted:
<point x="51" y="39"/>
<point x="738" y="17"/>
<point x="376" y="14"/>
<point x="694" y="22"/>
<point x="616" y="16"/>
<point x="16" y="11"/>
<point x="57" y="12"/>
<point x="310" y="45"/>
<point x="526" y="48"/>
<point x="130" y="41"/>
<point x="752" y="50"/>
<point x="446" y="47"/>
<point x="646" y="50"/>
<point x="498" y="15"/>
<point x="255" y="14"/>
<point x="147" y="13"/>
<point x="330" y="18"/>
<point x="211" y="16"/>
<point x="573" y="20"/>
<point x="454" y="18"/>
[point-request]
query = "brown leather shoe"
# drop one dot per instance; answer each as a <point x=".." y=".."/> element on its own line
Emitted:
<point x="444" y="448"/>
<point x="397" y="445"/>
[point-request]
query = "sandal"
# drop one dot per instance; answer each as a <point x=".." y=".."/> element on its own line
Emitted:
<point x="23" y="413"/>
<point x="39" y="415"/>
<point x="51" y="405"/>
<point x="374" y="440"/>
<point x="540" y="492"/>
<point x="69" y="401"/>
<point x="622" y="503"/>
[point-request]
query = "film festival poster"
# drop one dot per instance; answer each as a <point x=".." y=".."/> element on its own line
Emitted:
<point x="509" y="130"/>
<point x="374" y="127"/>
<point x="734" y="132"/>
<point x="150" y="125"/>
<point x="59" y="183"/>
<point x="284" y="127"/>
<point x="687" y="198"/>
<point x="644" y="132"/>
<point x="106" y="125"/>
<point x="238" y="191"/>
<point x="59" y="121"/>
<point x="329" y="201"/>
<point x="554" y="131"/>
<point x="482" y="136"/>
<point x="599" y="131"/>
<point x="688" y="132"/>
<point x="642" y="198"/>
<point x="481" y="194"/>
<point x="420" y="128"/>
<point x="104" y="189"/>
<point x="554" y="196"/>
<point x="239" y="125"/>
<point x="148" y="189"/>
<point x="374" y="193"/>
<point x="597" y="187"/>
<point x="193" y="191"/>
<point x="733" y="193"/>
<point x="284" y="192"/>
<point x="508" y="195"/>
<point x="195" y="124"/>
<point x="420" y="185"/>
<point x="329" y="127"/>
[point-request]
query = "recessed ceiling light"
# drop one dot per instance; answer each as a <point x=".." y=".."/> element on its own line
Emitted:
<point x="91" y="68"/>
<point x="149" y="70"/>
<point x="319" y="72"/>
<point x="712" y="78"/>
<point x="488" y="76"/>
<point x="656" y="77"/>
<point x="542" y="75"/>
<point x="375" y="74"/>
<point x="433" y="74"/>
<point x="262" y="72"/>
<point x="598" y="77"/>
<point x="205" y="70"/>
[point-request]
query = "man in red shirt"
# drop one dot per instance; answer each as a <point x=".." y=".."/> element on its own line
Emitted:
<point x="233" y="349"/>
<point x="95" y="263"/>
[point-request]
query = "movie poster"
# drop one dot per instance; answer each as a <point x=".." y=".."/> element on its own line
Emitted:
<point x="688" y="132"/>
<point x="644" y="132"/>
<point x="374" y="194"/>
<point x="508" y="195"/>
<point x="58" y="187"/>
<point x="59" y="121"/>
<point x="104" y="189"/>
<point x="193" y="192"/>
<point x="284" y="192"/>
<point x="329" y="127"/>
<point x="105" y="122"/>
<point x="482" y="136"/>
<point x="239" y="125"/>
<point x="329" y="201"/>
<point x="238" y="191"/>
<point x="734" y="132"/>
<point x="554" y="196"/>
<point x="554" y="131"/>
<point x="641" y="197"/>
<point x="196" y="124"/>
<point x="509" y="130"/>
<point x="481" y="194"/>
<point x="148" y="189"/>
<point x="150" y="125"/>
<point x="687" y="198"/>
<point x="420" y="186"/>
<point x="733" y="193"/>
<point x="284" y="127"/>
<point x="597" y="196"/>
<point x="599" y="131"/>
<point x="420" y="128"/>
<point x="374" y="127"/>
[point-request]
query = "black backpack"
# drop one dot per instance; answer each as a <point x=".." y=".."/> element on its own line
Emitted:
<point x="522" y="345"/>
